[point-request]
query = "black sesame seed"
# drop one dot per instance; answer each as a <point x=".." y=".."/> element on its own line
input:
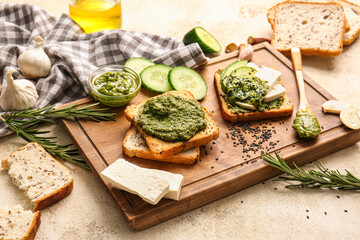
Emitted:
<point x="345" y="211"/>
<point x="307" y="217"/>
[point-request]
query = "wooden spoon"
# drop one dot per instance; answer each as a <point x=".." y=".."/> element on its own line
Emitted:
<point x="305" y="123"/>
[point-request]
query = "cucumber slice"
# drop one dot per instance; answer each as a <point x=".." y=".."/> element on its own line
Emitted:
<point x="243" y="71"/>
<point x="206" y="41"/>
<point x="186" y="78"/>
<point x="226" y="72"/>
<point x="155" y="78"/>
<point x="138" y="64"/>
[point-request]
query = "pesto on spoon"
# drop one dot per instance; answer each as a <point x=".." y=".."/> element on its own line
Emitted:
<point x="305" y="124"/>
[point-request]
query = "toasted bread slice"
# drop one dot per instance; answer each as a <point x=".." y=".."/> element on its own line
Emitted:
<point x="317" y="28"/>
<point x="285" y="110"/>
<point x="134" y="145"/>
<point x="161" y="149"/>
<point x="36" y="172"/>
<point x="17" y="223"/>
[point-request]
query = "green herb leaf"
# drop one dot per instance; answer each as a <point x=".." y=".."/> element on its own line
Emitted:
<point x="322" y="178"/>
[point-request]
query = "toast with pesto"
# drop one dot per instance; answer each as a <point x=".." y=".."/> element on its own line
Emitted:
<point x="286" y="109"/>
<point x="161" y="149"/>
<point x="134" y="145"/>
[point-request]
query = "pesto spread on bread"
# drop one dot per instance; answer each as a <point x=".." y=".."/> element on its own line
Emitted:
<point x="172" y="118"/>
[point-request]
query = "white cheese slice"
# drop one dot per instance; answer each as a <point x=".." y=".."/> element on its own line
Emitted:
<point x="175" y="181"/>
<point x="277" y="91"/>
<point x="269" y="75"/>
<point x="246" y="105"/>
<point x="253" y="65"/>
<point x="137" y="180"/>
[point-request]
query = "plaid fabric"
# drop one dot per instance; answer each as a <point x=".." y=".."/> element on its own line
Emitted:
<point x="74" y="55"/>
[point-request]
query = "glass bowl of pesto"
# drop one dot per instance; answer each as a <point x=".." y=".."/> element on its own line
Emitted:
<point x="114" y="85"/>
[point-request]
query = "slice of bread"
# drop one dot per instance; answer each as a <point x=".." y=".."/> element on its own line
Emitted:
<point x="161" y="149"/>
<point x="17" y="223"/>
<point x="36" y="172"/>
<point x="317" y="28"/>
<point x="272" y="11"/>
<point x="352" y="13"/>
<point x="134" y="145"/>
<point x="285" y="110"/>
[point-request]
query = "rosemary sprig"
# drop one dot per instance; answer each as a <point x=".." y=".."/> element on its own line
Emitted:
<point x="24" y="124"/>
<point x="323" y="178"/>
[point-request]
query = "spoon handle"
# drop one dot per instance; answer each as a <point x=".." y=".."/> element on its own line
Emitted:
<point x="297" y="62"/>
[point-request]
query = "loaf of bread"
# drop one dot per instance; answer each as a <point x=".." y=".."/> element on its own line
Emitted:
<point x="352" y="13"/>
<point x="36" y="172"/>
<point x="17" y="223"/>
<point x="317" y="28"/>
<point x="285" y="110"/>
<point x="134" y="145"/>
<point x="161" y="149"/>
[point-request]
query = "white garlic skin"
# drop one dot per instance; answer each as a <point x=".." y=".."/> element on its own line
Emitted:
<point x="35" y="63"/>
<point x="18" y="94"/>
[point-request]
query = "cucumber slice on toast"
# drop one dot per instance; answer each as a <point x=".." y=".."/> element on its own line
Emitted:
<point x="186" y="78"/>
<point x="138" y="64"/>
<point x="243" y="71"/>
<point x="206" y="41"/>
<point x="155" y="78"/>
<point x="227" y="71"/>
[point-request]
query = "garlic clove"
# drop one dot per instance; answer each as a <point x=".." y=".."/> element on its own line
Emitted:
<point x="246" y="52"/>
<point x="17" y="94"/>
<point x="35" y="63"/>
<point x="350" y="118"/>
<point x="232" y="47"/>
<point x="334" y="106"/>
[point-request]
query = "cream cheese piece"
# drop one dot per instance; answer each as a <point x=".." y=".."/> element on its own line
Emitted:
<point x="137" y="180"/>
<point x="276" y="92"/>
<point x="334" y="106"/>
<point x="269" y="75"/>
<point x="253" y="65"/>
<point x="175" y="181"/>
<point x="246" y="105"/>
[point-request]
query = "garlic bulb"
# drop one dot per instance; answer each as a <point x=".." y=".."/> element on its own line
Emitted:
<point x="34" y="63"/>
<point x="18" y="94"/>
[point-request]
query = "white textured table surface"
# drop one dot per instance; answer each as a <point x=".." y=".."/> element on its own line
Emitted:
<point x="264" y="211"/>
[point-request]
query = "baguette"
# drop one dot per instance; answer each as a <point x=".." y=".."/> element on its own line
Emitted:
<point x="17" y="223"/>
<point x="161" y="149"/>
<point x="285" y="110"/>
<point x="317" y="28"/>
<point x="134" y="145"/>
<point x="36" y="172"/>
<point x="352" y="13"/>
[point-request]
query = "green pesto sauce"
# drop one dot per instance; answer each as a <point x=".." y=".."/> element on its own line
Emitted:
<point x="115" y="83"/>
<point x="306" y="125"/>
<point x="246" y="89"/>
<point x="172" y="118"/>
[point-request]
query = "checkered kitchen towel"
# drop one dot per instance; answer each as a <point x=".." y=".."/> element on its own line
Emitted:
<point x="74" y="55"/>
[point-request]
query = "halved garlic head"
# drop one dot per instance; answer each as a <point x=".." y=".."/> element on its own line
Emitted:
<point x="334" y="106"/>
<point x="350" y="118"/>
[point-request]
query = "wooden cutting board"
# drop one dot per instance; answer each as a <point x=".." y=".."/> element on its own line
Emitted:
<point x="227" y="165"/>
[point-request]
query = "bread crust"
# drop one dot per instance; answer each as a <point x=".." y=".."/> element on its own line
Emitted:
<point x="286" y="109"/>
<point x="313" y="51"/>
<point x="355" y="35"/>
<point x="33" y="227"/>
<point x="161" y="149"/>
<point x="146" y="154"/>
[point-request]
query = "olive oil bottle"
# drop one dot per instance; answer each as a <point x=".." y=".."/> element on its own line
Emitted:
<point x="96" y="15"/>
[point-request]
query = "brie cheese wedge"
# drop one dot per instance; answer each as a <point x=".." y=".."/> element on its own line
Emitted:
<point x="268" y="75"/>
<point x="137" y="180"/>
<point x="246" y="105"/>
<point x="276" y="92"/>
